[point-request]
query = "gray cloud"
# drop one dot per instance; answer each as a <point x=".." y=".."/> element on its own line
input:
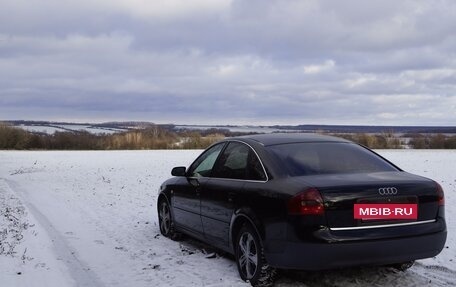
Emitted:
<point x="230" y="61"/>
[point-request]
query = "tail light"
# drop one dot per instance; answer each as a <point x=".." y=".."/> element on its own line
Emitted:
<point x="308" y="202"/>
<point x="440" y="195"/>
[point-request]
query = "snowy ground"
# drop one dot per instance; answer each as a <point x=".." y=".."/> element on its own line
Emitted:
<point x="51" y="128"/>
<point x="89" y="219"/>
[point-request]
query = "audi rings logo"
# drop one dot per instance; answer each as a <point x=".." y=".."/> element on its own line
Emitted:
<point x="387" y="191"/>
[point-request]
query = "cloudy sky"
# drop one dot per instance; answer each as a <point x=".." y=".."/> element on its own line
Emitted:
<point x="229" y="61"/>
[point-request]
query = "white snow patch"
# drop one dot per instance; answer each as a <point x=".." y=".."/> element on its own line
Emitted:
<point x="89" y="219"/>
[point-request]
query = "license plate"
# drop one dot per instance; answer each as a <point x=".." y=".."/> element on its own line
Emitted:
<point x="385" y="211"/>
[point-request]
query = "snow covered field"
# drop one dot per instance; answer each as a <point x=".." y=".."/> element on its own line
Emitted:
<point x="51" y="129"/>
<point x="89" y="219"/>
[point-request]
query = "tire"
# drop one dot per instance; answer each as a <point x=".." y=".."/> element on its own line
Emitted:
<point x="403" y="266"/>
<point x="165" y="221"/>
<point x="250" y="259"/>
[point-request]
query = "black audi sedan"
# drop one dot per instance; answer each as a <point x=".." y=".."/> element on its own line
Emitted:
<point x="303" y="201"/>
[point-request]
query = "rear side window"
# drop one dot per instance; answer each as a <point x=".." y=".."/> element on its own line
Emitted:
<point x="328" y="158"/>
<point x="238" y="161"/>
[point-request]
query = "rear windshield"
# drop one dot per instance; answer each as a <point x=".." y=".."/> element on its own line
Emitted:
<point x="328" y="158"/>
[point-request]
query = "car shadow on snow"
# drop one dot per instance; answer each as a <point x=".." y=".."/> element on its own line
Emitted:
<point x="418" y="275"/>
<point x="357" y="276"/>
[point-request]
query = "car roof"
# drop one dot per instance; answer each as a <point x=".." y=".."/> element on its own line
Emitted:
<point x="286" y="138"/>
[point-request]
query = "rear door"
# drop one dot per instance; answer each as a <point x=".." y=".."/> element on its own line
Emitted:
<point x="237" y="165"/>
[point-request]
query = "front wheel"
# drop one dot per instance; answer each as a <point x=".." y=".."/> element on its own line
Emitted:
<point x="250" y="259"/>
<point x="165" y="221"/>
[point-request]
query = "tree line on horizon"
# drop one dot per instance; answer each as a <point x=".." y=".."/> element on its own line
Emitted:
<point x="156" y="137"/>
<point x="152" y="137"/>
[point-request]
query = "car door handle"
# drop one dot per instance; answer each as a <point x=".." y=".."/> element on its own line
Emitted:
<point x="194" y="182"/>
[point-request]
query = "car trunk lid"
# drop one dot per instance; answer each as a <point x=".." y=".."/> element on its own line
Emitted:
<point x="340" y="193"/>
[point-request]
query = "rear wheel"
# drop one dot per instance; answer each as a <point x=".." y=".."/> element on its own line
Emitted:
<point x="165" y="221"/>
<point x="403" y="266"/>
<point x="250" y="260"/>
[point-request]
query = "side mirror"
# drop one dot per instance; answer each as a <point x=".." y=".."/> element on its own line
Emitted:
<point x="178" y="171"/>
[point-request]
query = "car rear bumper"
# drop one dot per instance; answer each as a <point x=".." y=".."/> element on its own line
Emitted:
<point x="323" y="255"/>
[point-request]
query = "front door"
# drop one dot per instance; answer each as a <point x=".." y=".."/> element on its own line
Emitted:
<point x="186" y="192"/>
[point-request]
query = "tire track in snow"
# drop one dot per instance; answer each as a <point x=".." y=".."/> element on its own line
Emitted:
<point x="436" y="274"/>
<point x="79" y="271"/>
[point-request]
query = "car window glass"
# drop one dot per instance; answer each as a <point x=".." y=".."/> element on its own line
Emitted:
<point x="204" y="164"/>
<point x="328" y="158"/>
<point x="255" y="170"/>
<point x="233" y="162"/>
<point x="238" y="161"/>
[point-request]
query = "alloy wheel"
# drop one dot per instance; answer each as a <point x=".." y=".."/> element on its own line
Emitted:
<point x="248" y="259"/>
<point x="164" y="218"/>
